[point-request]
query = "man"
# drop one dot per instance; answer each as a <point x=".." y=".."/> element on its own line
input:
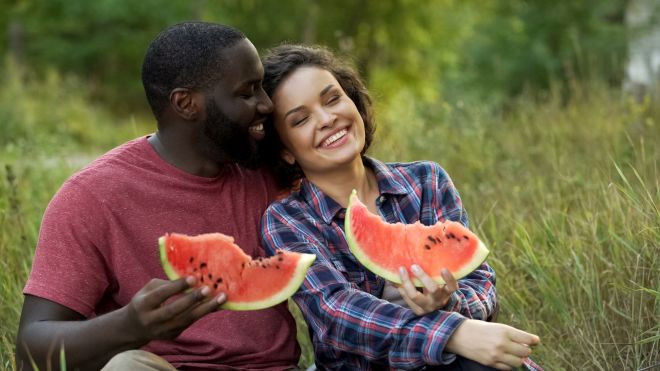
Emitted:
<point x="97" y="287"/>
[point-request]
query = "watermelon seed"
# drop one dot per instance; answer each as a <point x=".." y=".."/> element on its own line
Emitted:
<point x="219" y="280"/>
<point x="215" y="285"/>
<point x="432" y="239"/>
<point x="194" y="269"/>
<point x="427" y="247"/>
<point x="202" y="279"/>
<point x="243" y="265"/>
<point x="210" y="276"/>
<point x="280" y="259"/>
<point x="277" y="266"/>
<point x="191" y="259"/>
<point x="202" y="265"/>
<point x="466" y="237"/>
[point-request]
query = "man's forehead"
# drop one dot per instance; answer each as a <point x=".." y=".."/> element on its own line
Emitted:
<point x="242" y="63"/>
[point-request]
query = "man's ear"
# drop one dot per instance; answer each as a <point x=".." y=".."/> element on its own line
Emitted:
<point x="186" y="103"/>
<point x="287" y="157"/>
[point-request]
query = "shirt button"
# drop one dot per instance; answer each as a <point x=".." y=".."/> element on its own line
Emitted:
<point x="381" y="199"/>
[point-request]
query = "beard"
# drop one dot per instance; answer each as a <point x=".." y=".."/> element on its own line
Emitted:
<point x="226" y="140"/>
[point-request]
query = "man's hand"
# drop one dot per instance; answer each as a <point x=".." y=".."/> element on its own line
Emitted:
<point x="492" y="344"/>
<point x="433" y="297"/>
<point x="155" y="312"/>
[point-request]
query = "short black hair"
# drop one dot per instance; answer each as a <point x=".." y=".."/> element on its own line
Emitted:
<point x="283" y="60"/>
<point x="185" y="55"/>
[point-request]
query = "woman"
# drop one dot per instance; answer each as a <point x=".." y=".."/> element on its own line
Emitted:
<point x="319" y="131"/>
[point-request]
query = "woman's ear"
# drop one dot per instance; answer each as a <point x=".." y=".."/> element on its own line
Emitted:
<point x="186" y="103"/>
<point x="287" y="157"/>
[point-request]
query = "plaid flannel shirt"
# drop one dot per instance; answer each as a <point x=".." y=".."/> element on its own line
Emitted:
<point x="351" y="328"/>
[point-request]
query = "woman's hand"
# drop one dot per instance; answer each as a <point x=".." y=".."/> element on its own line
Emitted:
<point x="492" y="344"/>
<point x="432" y="297"/>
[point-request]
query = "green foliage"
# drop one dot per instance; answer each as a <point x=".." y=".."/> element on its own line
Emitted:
<point x="475" y="51"/>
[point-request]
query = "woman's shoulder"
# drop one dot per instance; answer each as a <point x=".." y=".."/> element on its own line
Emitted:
<point x="418" y="169"/>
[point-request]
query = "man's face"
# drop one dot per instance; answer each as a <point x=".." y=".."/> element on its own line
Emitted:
<point x="236" y="108"/>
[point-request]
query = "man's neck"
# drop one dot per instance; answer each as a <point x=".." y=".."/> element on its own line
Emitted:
<point x="183" y="155"/>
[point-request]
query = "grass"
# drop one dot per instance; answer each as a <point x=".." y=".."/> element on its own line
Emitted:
<point x="565" y="193"/>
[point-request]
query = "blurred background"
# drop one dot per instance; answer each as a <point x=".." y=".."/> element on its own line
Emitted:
<point x="545" y="114"/>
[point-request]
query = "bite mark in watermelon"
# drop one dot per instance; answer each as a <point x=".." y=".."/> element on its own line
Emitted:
<point x="217" y="262"/>
<point x="383" y="247"/>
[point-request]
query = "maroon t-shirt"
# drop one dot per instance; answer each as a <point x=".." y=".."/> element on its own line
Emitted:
<point x="98" y="245"/>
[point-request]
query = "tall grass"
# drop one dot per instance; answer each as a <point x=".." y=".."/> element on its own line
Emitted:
<point x="566" y="194"/>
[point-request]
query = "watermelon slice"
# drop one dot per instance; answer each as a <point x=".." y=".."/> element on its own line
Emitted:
<point x="217" y="262"/>
<point x="383" y="248"/>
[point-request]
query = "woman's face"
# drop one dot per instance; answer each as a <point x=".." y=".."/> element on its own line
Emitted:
<point x="317" y="122"/>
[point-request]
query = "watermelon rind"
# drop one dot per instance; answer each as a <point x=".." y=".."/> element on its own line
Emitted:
<point x="286" y="292"/>
<point x="478" y="257"/>
<point x="167" y="267"/>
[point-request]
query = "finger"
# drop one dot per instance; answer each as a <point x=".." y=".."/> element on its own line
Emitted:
<point x="165" y="290"/>
<point x="517" y="349"/>
<point x="186" y="302"/>
<point x="510" y="360"/>
<point x="407" y="284"/>
<point x="411" y="304"/>
<point x="427" y="281"/>
<point x="450" y="282"/>
<point x="207" y="307"/>
<point x="502" y="366"/>
<point x="523" y="337"/>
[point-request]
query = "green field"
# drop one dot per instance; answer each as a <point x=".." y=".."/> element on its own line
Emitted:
<point x="565" y="193"/>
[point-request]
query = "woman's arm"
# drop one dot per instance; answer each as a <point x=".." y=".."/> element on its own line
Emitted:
<point x="344" y="318"/>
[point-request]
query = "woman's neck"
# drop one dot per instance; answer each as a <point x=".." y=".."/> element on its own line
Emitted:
<point x="339" y="183"/>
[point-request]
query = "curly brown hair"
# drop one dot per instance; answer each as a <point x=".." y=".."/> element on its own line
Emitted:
<point x="279" y="63"/>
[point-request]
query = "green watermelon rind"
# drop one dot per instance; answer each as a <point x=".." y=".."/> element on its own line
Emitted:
<point x="478" y="257"/>
<point x="286" y="292"/>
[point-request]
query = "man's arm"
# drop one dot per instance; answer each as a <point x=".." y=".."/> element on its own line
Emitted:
<point x="90" y="343"/>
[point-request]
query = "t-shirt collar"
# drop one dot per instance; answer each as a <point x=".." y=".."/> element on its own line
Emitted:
<point x="389" y="181"/>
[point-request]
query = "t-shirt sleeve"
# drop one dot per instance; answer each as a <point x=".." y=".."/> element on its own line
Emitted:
<point x="68" y="267"/>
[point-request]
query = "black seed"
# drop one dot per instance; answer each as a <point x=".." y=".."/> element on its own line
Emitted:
<point x="202" y="279"/>
<point x="280" y="259"/>
<point x="432" y="239"/>
<point x="243" y="265"/>
<point x="194" y="269"/>
<point x="202" y="265"/>
<point x="215" y="285"/>
<point x="210" y="276"/>
<point x="219" y="280"/>
<point x="427" y="247"/>
<point x="277" y="266"/>
<point x="191" y="259"/>
<point x="466" y="237"/>
<point x="279" y="252"/>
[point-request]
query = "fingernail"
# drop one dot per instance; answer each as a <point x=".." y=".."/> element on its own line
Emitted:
<point x="221" y="298"/>
<point x="206" y="290"/>
<point x="402" y="271"/>
<point x="190" y="280"/>
<point x="416" y="268"/>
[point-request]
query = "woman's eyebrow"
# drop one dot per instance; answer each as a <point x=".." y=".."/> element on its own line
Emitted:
<point x="322" y="93"/>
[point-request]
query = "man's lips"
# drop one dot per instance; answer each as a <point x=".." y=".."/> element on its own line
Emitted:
<point x="257" y="130"/>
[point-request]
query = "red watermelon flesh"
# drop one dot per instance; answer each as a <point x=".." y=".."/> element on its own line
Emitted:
<point x="383" y="248"/>
<point x="217" y="262"/>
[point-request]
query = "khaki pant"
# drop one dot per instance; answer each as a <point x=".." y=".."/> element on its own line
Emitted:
<point x="138" y="360"/>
